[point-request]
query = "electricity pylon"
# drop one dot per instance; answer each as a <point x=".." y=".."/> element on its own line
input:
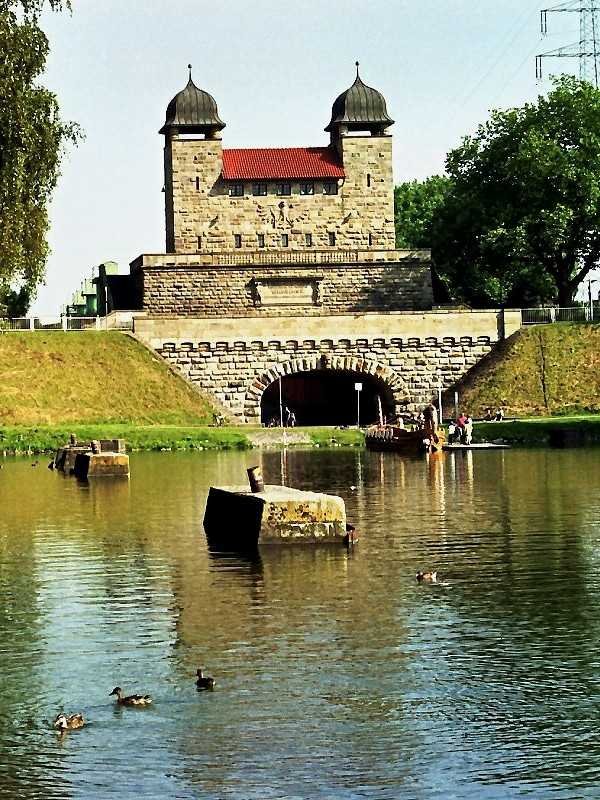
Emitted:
<point x="587" y="50"/>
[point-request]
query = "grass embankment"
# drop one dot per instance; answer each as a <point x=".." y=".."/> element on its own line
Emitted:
<point x="538" y="431"/>
<point x="92" y="378"/>
<point x="97" y="385"/>
<point x="103" y="385"/>
<point x="542" y="371"/>
<point x="45" y="439"/>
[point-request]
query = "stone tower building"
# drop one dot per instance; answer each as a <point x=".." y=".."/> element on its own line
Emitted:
<point x="279" y="199"/>
<point x="274" y="231"/>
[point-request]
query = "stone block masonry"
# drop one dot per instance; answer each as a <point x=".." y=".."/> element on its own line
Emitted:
<point x="179" y="285"/>
<point x="201" y="215"/>
<point x="410" y="354"/>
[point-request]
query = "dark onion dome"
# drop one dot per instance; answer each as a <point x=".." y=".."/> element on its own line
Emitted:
<point x="192" y="111"/>
<point x="360" y="108"/>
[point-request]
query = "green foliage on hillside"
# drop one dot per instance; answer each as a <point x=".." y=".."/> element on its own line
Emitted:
<point x="540" y="371"/>
<point x="93" y="377"/>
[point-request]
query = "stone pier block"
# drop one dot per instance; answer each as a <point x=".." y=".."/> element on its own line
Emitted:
<point x="235" y="518"/>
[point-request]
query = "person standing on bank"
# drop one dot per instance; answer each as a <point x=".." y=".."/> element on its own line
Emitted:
<point x="430" y="415"/>
<point x="460" y="424"/>
<point x="468" y="435"/>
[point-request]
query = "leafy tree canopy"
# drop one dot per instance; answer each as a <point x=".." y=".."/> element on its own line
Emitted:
<point x="32" y="138"/>
<point x="519" y="219"/>
<point x="417" y="204"/>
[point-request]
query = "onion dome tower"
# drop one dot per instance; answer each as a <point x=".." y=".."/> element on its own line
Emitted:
<point x="193" y="111"/>
<point x="359" y="108"/>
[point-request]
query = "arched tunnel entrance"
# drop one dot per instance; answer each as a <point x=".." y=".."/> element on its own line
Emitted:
<point x="327" y="397"/>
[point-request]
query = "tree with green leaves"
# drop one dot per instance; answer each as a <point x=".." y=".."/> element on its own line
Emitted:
<point x="519" y="219"/>
<point x="32" y="141"/>
<point x="417" y="204"/>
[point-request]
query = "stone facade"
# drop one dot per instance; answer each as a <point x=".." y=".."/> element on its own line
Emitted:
<point x="244" y="238"/>
<point x="186" y="287"/>
<point x="201" y="216"/>
<point x="393" y="348"/>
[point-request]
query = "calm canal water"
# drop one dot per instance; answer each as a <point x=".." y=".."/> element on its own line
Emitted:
<point x="338" y="675"/>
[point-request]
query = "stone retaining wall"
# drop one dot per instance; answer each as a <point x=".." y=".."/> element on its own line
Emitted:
<point x="203" y="291"/>
<point x="408" y="353"/>
<point x="238" y="372"/>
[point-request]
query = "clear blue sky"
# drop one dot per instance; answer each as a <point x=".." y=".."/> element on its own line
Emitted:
<point x="274" y="68"/>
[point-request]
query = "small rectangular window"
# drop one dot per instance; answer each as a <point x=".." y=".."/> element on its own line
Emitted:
<point x="368" y="179"/>
<point x="285" y="240"/>
<point x="284" y="189"/>
<point x="199" y="243"/>
<point x="370" y="240"/>
<point x="197" y="184"/>
<point x="259" y="189"/>
<point x="332" y="239"/>
<point x="261" y="239"/>
<point x="237" y="240"/>
<point x="307" y="188"/>
<point x="236" y="189"/>
<point x="309" y="239"/>
<point x="330" y="188"/>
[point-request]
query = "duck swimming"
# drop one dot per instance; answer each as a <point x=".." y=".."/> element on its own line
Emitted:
<point x="204" y="681"/>
<point x="69" y="723"/>
<point x="132" y="699"/>
<point x="429" y="577"/>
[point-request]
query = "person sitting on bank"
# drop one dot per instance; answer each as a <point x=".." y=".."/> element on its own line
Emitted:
<point x="499" y="415"/>
<point x="453" y="433"/>
<point x="489" y="417"/>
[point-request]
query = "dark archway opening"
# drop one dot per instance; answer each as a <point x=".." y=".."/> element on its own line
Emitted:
<point x="327" y="397"/>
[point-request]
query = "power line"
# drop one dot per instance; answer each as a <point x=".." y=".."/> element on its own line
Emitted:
<point x="587" y="50"/>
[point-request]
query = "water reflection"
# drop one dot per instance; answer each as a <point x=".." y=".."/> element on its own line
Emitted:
<point x="328" y="663"/>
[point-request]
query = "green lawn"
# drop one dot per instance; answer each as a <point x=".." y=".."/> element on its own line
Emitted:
<point x="536" y="430"/>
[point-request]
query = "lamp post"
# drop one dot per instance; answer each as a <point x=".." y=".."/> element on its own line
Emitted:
<point x="591" y="302"/>
<point x="358" y="387"/>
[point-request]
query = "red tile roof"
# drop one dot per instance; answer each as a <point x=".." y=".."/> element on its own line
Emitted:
<point x="271" y="163"/>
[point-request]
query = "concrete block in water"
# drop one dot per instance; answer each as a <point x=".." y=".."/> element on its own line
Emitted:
<point x="112" y="446"/>
<point x="237" y="518"/>
<point x="65" y="456"/>
<point x="93" y="465"/>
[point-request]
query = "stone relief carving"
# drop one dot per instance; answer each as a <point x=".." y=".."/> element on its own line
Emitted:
<point x="282" y="215"/>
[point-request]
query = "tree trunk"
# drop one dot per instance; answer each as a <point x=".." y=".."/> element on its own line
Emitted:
<point x="565" y="295"/>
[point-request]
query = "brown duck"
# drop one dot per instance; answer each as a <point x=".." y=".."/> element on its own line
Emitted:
<point x="132" y="699"/>
<point x="428" y="577"/>
<point x="69" y="723"/>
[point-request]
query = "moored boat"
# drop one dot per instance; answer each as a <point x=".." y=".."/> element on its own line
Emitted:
<point x="396" y="439"/>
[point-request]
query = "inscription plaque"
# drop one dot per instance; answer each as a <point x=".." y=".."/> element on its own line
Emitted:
<point x="287" y="292"/>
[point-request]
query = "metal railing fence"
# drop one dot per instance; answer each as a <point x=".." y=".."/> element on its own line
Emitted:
<point x="57" y="323"/>
<point x="549" y="314"/>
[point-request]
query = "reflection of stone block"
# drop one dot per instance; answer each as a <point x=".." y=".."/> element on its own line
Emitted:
<point x="237" y="518"/>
